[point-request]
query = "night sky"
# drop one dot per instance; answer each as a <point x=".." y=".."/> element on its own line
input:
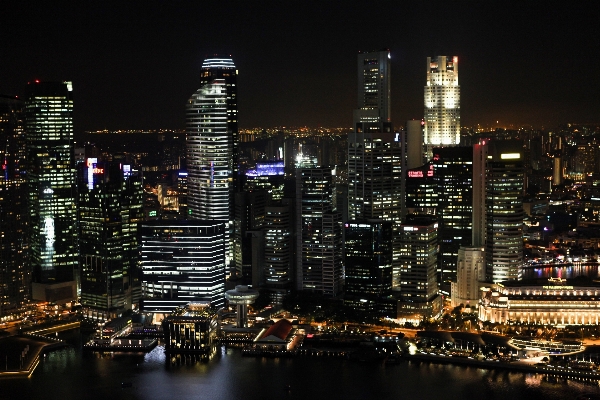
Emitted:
<point x="134" y="64"/>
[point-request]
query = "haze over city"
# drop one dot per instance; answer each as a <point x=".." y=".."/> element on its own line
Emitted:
<point x="135" y="64"/>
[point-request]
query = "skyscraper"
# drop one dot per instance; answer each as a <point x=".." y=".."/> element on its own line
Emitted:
<point x="319" y="233"/>
<point x="182" y="262"/>
<point x="212" y="132"/>
<point x="442" y="102"/>
<point x="51" y="189"/>
<point x="110" y="209"/>
<point x="14" y="275"/>
<point x="416" y="279"/>
<point x="504" y="212"/>
<point x="374" y="150"/>
<point x="373" y="87"/>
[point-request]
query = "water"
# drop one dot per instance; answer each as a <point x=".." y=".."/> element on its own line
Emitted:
<point x="72" y="374"/>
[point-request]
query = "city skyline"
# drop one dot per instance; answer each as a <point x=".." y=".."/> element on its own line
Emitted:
<point x="135" y="66"/>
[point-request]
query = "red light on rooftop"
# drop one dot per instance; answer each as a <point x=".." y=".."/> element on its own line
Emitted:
<point x="37" y="81"/>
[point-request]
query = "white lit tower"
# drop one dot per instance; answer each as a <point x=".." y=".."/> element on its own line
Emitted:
<point x="442" y="102"/>
<point x="211" y="136"/>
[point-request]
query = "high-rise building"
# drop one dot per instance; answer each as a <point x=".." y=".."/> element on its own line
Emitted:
<point x="453" y="170"/>
<point x="14" y="275"/>
<point x="373" y="87"/>
<point x="368" y="261"/>
<point x="278" y="255"/>
<point x="416" y="279"/>
<point x="110" y="209"/>
<point x="212" y="132"/>
<point x="182" y="262"/>
<point x="51" y="190"/>
<point x="442" y="102"/>
<point x="319" y="265"/>
<point x="504" y="210"/>
<point x="414" y="143"/>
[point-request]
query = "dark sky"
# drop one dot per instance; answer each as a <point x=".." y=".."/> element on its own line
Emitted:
<point x="134" y="64"/>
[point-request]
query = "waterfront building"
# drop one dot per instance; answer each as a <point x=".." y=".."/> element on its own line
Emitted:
<point x="278" y="337"/>
<point x="110" y="208"/>
<point x="416" y="279"/>
<point x="191" y="328"/>
<point x="15" y="277"/>
<point x="241" y="297"/>
<point x="319" y="265"/>
<point x="556" y="302"/>
<point x="442" y="102"/>
<point x="504" y="179"/>
<point x="52" y="232"/>
<point x="211" y="137"/>
<point x="182" y="262"/>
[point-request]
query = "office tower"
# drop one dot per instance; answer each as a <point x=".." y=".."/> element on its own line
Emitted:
<point x="51" y="190"/>
<point x="416" y="279"/>
<point x="470" y="271"/>
<point x="368" y="261"/>
<point x="278" y="270"/>
<point x="504" y="210"/>
<point x="212" y="132"/>
<point x="453" y="170"/>
<point x="110" y="209"/>
<point x="414" y="143"/>
<point x="373" y="87"/>
<point x="14" y="275"/>
<point x="442" y="102"/>
<point x="249" y="218"/>
<point x="374" y="150"/>
<point x="182" y="262"/>
<point x="319" y="265"/>
<point x="480" y="154"/>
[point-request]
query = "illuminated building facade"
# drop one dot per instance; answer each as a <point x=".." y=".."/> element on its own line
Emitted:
<point x="416" y="279"/>
<point x="14" y="275"/>
<point x="51" y="188"/>
<point x="110" y="210"/>
<point x="554" y="302"/>
<point x="191" y="328"/>
<point x="319" y="265"/>
<point x="182" y="262"/>
<point x="442" y="102"/>
<point x="504" y="179"/>
<point x="470" y="271"/>
<point x="211" y="135"/>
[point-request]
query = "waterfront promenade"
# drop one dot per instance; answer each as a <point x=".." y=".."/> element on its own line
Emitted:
<point x="21" y="351"/>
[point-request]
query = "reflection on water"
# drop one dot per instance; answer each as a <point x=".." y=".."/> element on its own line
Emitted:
<point x="566" y="272"/>
<point x="73" y="374"/>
